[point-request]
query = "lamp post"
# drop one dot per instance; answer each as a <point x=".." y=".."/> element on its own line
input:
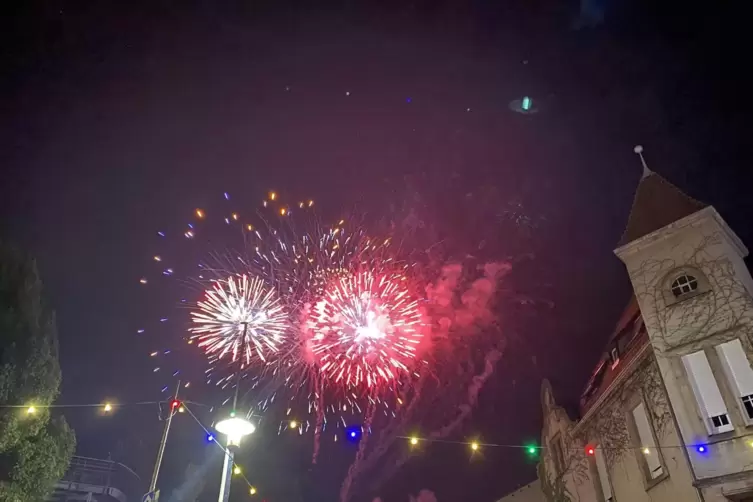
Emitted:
<point x="235" y="429"/>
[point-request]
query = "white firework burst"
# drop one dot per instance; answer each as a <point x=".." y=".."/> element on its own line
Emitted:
<point x="240" y="317"/>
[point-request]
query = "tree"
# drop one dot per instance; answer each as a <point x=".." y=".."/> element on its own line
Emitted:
<point x="35" y="448"/>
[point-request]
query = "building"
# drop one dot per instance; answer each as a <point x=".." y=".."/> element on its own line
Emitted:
<point x="528" y="493"/>
<point x="668" y="411"/>
<point x="96" y="480"/>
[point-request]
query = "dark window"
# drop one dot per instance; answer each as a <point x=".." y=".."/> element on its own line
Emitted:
<point x="720" y="420"/>
<point x="684" y="284"/>
<point x="748" y="403"/>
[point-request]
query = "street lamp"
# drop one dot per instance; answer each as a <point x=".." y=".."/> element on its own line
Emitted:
<point x="235" y="429"/>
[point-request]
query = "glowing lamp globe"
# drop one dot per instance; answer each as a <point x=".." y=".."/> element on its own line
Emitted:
<point x="235" y="428"/>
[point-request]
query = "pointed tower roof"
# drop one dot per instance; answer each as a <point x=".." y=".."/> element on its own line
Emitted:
<point x="657" y="203"/>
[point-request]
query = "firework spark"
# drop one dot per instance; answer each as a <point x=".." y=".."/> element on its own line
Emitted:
<point x="240" y="317"/>
<point x="365" y="330"/>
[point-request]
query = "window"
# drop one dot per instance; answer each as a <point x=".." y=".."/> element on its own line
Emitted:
<point x="601" y="469"/>
<point x="706" y="392"/>
<point x="739" y="375"/>
<point x="683" y="285"/>
<point x="748" y="405"/>
<point x="720" y="420"/>
<point x="651" y="456"/>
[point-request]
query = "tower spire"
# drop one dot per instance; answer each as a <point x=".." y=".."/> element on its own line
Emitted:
<point x="646" y="171"/>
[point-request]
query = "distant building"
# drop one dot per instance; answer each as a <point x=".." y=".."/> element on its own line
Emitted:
<point x="667" y="414"/>
<point x="95" y="480"/>
<point x="528" y="493"/>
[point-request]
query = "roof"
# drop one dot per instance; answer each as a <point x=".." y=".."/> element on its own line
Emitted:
<point x="629" y="338"/>
<point x="657" y="203"/>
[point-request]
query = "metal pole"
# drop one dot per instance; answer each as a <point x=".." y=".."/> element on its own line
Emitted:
<point x="161" y="451"/>
<point x="240" y="365"/>
<point x="229" y="464"/>
<point x="227" y="472"/>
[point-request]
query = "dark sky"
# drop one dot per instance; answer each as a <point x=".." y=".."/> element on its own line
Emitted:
<point x="115" y="112"/>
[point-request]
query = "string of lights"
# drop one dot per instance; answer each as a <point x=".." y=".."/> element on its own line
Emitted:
<point x="531" y="449"/>
<point x="237" y="470"/>
<point x="589" y="449"/>
<point x="106" y="406"/>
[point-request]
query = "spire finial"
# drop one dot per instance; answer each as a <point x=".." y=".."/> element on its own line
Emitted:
<point x="646" y="171"/>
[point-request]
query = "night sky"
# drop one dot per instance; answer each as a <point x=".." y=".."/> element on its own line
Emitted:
<point x="119" y="116"/>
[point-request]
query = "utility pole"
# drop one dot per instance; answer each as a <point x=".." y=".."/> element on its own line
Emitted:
<point x="161" y="451"/>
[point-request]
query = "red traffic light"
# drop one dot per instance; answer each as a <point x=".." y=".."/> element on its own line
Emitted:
<point x="174" y="403"/>
<point x="590" y="450"/>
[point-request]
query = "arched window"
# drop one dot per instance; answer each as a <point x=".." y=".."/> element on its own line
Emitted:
<point x="683" y="285"/>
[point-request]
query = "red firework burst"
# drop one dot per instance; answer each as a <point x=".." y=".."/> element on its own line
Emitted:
<point x="365" y="330"/>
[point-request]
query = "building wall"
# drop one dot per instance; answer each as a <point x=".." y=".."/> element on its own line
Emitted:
<point x="528" y="493"/>
<point x="611" y="426"/>
<point x="607" y="426"/>
<point x="723" y="311"/>
<point x="574" y="482"/>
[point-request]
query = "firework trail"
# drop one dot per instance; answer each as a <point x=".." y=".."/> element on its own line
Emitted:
<point x="461" y="299"/>
<point x="459" y="309"/>
<point x="321" y="319"/>
<point x="337" y="325"/>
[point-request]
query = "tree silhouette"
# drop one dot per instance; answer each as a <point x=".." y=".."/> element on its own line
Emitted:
<point x="35" y="448"/>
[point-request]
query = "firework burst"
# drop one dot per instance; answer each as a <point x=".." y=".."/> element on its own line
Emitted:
<point x="365" y="330"/>
<point x="241" y="318"/>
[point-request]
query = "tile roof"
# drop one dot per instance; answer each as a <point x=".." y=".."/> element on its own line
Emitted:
<point x="629" y="338"/>
<point x="657" y="203"/>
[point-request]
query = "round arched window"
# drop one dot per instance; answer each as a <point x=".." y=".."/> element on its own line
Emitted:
<point x="683" y="285"/>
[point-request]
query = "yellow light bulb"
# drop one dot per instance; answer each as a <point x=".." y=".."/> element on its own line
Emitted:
<point x="108" y="407"/>
<point x="474" y="446"/>
<point x="199" y="213"/>
<point x="235" y="216"/>
<point x="414" y="441"/>
<point x="311" y="203"/>
<point x="272" y="196"/>
<point x="31" y="410"/>
<point x="283" y="211"/>
<point x="646" y="451"/>
<point x="293" y="424"/>
<point x="252" y="490"/>
<point x="181" y="409"/>
<point x="236" y="470"/>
